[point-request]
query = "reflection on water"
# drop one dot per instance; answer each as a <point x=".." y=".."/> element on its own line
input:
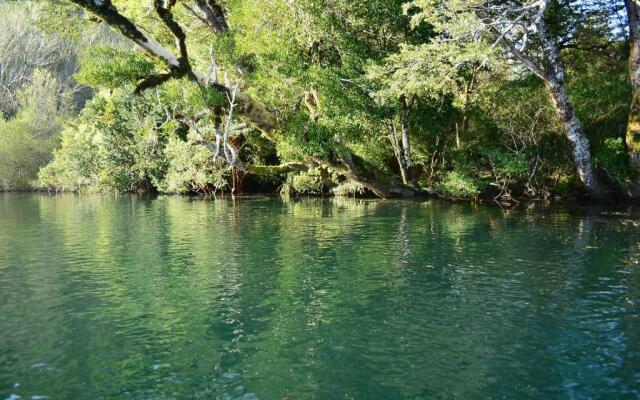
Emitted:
<point x="172" y="297"/>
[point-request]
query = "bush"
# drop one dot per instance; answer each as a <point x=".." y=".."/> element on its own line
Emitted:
<point x="349" y="188"/>
<point x="108" y="67"/>
<point x="456" y="184"/>
<point x="21" y="155"/>
<point x="75" y="165"/>
<point x="507" y="170"/>
<point x="611" y="157"/>
<point x="192" y="168"/>
<point x="26" y="141"/>
<point x="302" y="183"/>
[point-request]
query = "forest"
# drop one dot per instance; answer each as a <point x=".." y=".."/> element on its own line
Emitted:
<point x="466" y="99"/>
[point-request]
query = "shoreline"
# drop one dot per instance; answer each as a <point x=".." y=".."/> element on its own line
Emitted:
<point x="516" y="202"/>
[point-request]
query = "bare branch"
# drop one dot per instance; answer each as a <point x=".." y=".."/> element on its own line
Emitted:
<point x="229" y="151"/>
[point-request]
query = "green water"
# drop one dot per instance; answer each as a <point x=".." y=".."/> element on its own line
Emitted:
<point x="158" y="298"/>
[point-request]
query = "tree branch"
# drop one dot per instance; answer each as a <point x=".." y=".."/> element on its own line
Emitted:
<point x="246" y="108"/>
<point x="152" y="81"/>
<point x="105" y="10"/>
<point x="164" y="12"/>
<point x="214" y="15"/>
<point x="501" y="36"/>
<point x="529" y="63"/>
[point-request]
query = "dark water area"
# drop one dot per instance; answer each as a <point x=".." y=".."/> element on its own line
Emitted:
<point x="179" y="298"/>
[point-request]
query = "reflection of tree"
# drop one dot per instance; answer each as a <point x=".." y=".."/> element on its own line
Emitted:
<point x="343" y="300"/>
<point x="313" y="297"/>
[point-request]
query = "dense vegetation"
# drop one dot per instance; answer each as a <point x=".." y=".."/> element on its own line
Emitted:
<point x="392" y="97"/>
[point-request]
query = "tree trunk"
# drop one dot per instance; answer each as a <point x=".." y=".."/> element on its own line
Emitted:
<point x="406" y="143"/>
<point x="374" y="185"/>
<point x="633" y="128"/>
<point x="554" y="78"/>
<point x="633" y="131"/>
<point x="573" y="131"/>
<point x="398" y="151"/>
<point x="551" y="71"/>
<point x="402" y="147"/>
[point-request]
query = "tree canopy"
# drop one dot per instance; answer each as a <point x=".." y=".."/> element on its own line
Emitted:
<point x="395" y="98"/>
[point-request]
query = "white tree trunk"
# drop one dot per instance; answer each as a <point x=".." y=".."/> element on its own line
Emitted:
<point x="406" y="146"/>
<point x="573" y="130"/>
<point x="398" y="151"/>
<point x="554" y="77"/>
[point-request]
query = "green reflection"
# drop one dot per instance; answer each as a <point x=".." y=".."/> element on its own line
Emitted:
<point x="174" y="297"/>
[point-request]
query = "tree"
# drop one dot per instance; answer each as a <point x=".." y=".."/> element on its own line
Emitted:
<point x="27" y="139"/>
<point x="25" y="46"/>
<point x="633" y="129"/>
<point x="38" y="91"/>
<point x="235" y="102"/>
<point x="320" y="95"/>
<point x="521" y="28"/>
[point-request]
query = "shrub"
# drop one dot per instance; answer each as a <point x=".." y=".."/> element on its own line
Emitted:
<point x="349" y="188"/>
<point x="507" y="170"/>
<point x="611" y="157"/>
<point x="456" y="184"/>
<point x="310" y="182"/>
<point x="27" y="139"/>
<point x="192" y="168"/>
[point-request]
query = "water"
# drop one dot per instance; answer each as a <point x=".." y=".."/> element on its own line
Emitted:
<point x="178" y="298"/>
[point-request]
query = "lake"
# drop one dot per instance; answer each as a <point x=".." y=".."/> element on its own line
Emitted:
<point x="181" y="298"/>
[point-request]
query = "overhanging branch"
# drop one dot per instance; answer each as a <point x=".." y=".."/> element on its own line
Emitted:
<point x="513" y="49"/>
<point x="105" y="10"/>
<point x="164" y="12"/>
<point x="213" y="15"/>
<point x="501" y="36"/>
<point x="152" y="81"/>
<point x="247" y="108"/>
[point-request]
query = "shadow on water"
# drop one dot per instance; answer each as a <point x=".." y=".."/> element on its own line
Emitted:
<point x="175" y="297"/>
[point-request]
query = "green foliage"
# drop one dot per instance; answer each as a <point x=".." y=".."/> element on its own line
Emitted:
<point x="612" y="157"/>
<point x="340" y="76"/>
<point x="122" y="143"/>
<point x="601" y="89"/>
<point x="506" y="165"/>
<point x="26" y="140"/>
<point x="304" y="183"/>
<point x="188" y="96"/>
<point x="75" y="165"/>
<point x="21" y="154"/>
<point x="62" y="18"/>
<point x="117" y="144"/>
<point x="458" y="185"/>
<point x="192" y="169"/>
<point x="507" y="169"/>
<point x="108" y="67"/>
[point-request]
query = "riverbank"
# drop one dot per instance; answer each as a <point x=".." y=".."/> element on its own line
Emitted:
<point x="574" y="200"/>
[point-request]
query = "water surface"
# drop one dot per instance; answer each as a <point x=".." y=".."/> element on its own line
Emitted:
<point x="180" y="298"/>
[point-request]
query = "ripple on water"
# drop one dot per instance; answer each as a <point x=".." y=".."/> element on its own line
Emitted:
<point x="172" y="297"/>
